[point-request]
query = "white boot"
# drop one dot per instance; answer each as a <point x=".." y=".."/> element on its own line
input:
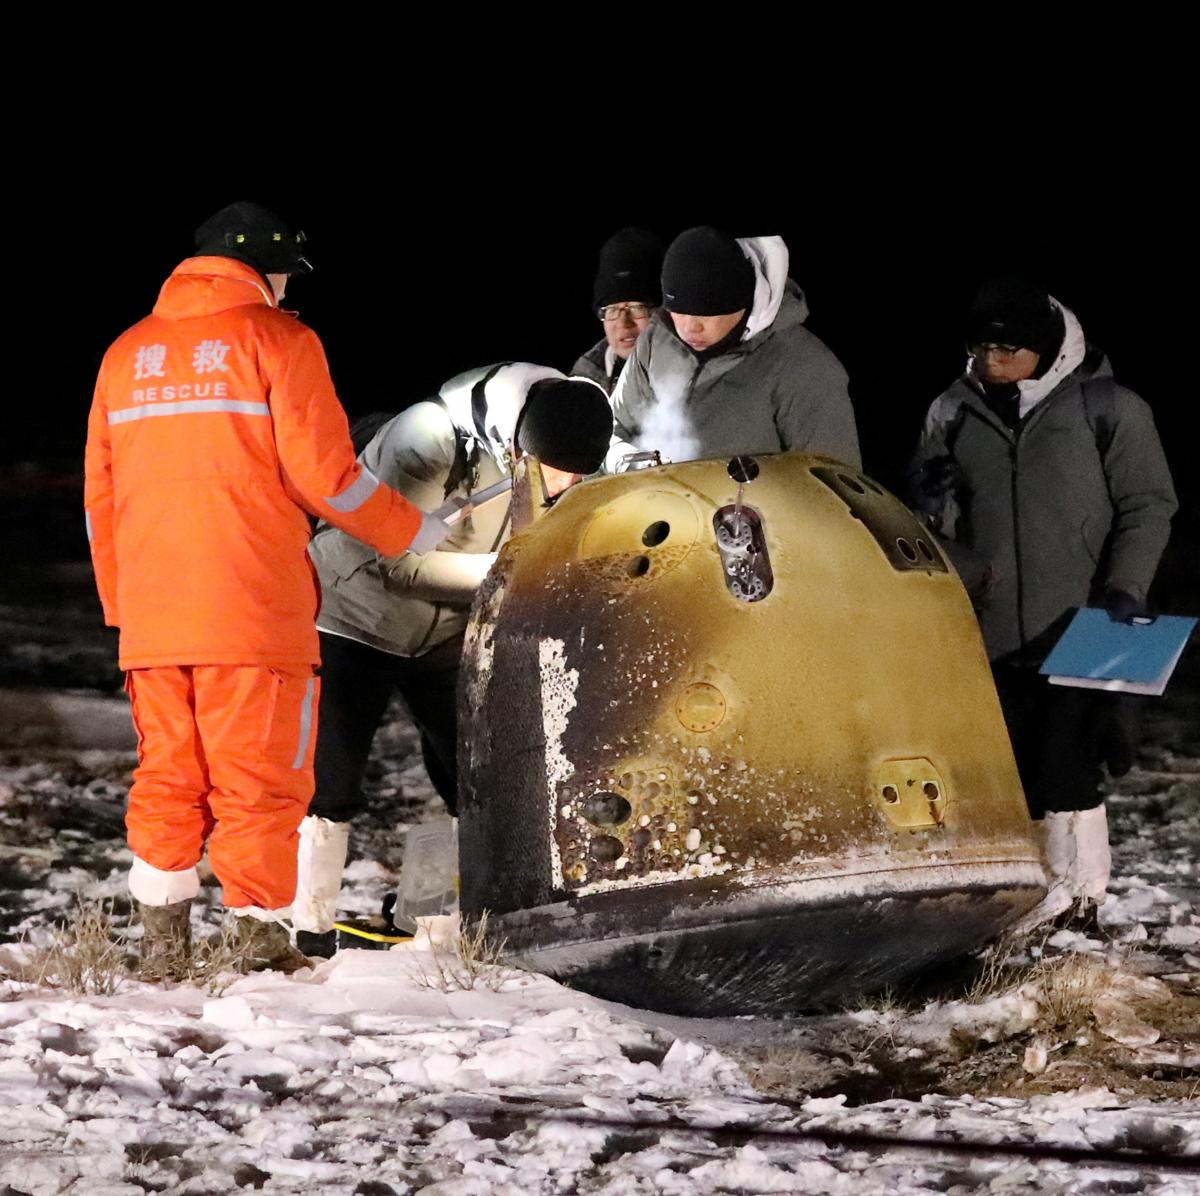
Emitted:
<point x="1059" y="848"/>
<point x="1089" y="873"/>
<point x="321" y="860"/>
<point x="1093" y="859"/>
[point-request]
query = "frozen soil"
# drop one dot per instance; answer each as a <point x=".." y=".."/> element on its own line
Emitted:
<point x="401" y="1072"/>
<point x="360" y="1077"/>
<point x="1147" y="961"/>
<point x="61" y="837"/>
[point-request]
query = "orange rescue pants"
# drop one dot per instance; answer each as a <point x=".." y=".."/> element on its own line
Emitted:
<point x="225" y="757"/>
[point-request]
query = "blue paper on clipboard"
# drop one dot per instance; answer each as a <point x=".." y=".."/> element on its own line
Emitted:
<point x="1137" y="657"/>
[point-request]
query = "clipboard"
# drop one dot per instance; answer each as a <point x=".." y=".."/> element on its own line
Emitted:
<point x="1135" y="657"/>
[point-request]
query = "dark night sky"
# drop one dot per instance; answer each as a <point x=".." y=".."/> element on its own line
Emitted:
<point x="434" y="258"/>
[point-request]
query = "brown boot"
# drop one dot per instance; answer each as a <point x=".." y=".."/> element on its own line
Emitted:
<point x="166" y="940"/>
<point x="265" y="946"/>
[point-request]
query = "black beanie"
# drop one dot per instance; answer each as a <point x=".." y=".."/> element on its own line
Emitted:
<point x="1014" y="311"/>
<point x="705" y="273"/>
<point x="254" y="235"/>
<point x="629" y="270"/>
<point x="566" y="424"/>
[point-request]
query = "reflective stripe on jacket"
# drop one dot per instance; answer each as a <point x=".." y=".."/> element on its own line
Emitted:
<point x="214" y="428"/>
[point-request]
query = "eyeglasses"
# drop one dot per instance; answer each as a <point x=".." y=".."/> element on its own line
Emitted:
<point x="635" y="311"/>
<point x="1001" y="352"/>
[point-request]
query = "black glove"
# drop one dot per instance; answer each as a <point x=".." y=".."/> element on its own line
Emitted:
<point x="1121" y="606"/>
<point x="940" y="476"/>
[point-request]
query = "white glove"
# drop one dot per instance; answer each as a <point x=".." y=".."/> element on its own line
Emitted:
<point x="430" y="534"/>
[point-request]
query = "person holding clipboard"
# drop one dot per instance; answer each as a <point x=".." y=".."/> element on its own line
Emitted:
<point x="1039" y="462"/>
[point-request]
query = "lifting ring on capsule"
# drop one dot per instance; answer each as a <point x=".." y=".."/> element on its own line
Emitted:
<point x="743" y="470"/>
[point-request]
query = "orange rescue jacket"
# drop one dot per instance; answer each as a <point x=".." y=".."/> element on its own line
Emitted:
<point x="214" y="428"/>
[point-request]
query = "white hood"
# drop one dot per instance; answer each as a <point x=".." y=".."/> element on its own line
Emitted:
<point x="504" y="395"/>
<point x="1070" y="355"/>
<point x="769" y="257"/>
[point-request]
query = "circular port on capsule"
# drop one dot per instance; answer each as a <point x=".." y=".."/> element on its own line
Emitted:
<point x="605" y="849"/>
<point x="605" y="808"/>
<point x="656" y="533"/>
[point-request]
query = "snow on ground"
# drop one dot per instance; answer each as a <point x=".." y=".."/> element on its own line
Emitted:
<point x="364" y="1076"/>
<point x="357" y="1078"/>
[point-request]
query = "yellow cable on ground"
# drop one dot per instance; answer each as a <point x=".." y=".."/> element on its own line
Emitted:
<point x="374" y="936"/>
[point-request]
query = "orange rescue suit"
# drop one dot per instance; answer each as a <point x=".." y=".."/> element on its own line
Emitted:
<point x="224" y="759"/>
<point x="214" y="429"/>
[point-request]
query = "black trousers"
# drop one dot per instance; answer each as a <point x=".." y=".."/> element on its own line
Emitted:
<point x="1061" y="736"/>
<point x="357" y="682"/>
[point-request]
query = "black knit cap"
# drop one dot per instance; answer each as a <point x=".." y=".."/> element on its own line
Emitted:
<point x="705" y="273"/>
<point x="1015" y="311"/>
<point x="630" y="269"/>
<point x="254" y="235"/>
<point x="566" y="424"/>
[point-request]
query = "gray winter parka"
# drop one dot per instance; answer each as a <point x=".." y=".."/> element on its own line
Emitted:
<point x="1059" y="522"/>
<point x="410" y="604"/>
<point x="595" y="365"/>
<point x="779" y="389"/>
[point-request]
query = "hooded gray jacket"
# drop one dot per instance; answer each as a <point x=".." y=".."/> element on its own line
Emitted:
<point x="409" y="604"/>
<point x="779" y="389"/>
<point x="1060" y="519"/>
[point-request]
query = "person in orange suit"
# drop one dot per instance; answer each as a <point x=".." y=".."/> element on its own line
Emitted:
<point x="213" y="435"/>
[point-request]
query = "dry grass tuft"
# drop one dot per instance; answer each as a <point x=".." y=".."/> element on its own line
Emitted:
<point x="88" y="955"/>
<point x="217" y="961"/>
<point x="85" y="955"/>
<point x="1067" y="987"/>
<point x="883" y="1000"/>
<point x="1064" y="986"/>
<point x="471" y="959"/>
<point x="784" y="1071"/>
<point x="997" y="974"/>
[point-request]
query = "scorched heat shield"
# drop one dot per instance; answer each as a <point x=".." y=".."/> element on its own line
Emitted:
<point x="730" y="743"/>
